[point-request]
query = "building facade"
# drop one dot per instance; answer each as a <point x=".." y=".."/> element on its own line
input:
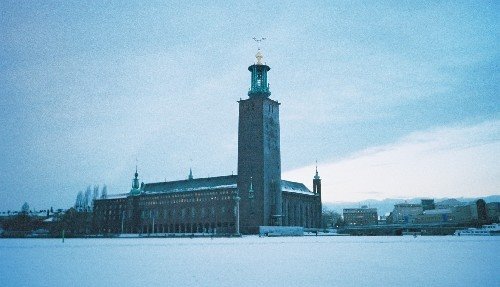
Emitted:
<point x="406" y="213"/>
<point x="257" y="196"/>
<point x="360" y="216"/>
<point x="428" y="204"/>
<point x="473" y="213"/>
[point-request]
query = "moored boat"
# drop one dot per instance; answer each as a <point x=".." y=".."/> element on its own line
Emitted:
<point x="485" y="230"/>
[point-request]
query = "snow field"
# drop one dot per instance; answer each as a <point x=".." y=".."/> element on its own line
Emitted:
<point x="252" y="261"/>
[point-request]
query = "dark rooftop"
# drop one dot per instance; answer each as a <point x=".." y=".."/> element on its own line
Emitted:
<point x="208" y="183"/>
<point x="195" y="184"/>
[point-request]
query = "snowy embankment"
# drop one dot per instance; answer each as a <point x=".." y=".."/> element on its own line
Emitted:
<point x="252" y="261"/>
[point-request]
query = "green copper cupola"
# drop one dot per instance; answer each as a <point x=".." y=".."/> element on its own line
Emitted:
<point x="259" y="86"/>
<point x="135" y="184"/>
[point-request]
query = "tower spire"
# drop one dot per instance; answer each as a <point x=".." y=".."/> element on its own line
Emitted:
<point x="259" y="86"/>
<point x="190" y="177"/>
<point x="317" y="182"/>
<point x="135" y="183"/>
<point x="136" y="174"/>
<point x="250" y="190"/>
<point x="317" y="175"/>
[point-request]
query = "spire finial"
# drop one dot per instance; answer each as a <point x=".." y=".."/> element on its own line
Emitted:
<point x="250" y="190"/>
<point x="136" y="174"/>
<point x="135" y="181"/>
<point x="190" y="177"/>
<point x="317" y="175"/>
<point x="259" y="55"/>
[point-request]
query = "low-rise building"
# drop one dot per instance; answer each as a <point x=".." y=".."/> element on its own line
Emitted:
<point x="462" y="214"/>
<point x="428" y="204"/>
<point x="434" y="216"/>
<point x="406" y="212"/>
<point x="493" y="210"/>
<point x="360" y="216"/>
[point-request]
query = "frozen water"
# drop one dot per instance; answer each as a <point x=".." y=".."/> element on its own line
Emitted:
<point x="252" y="261"/>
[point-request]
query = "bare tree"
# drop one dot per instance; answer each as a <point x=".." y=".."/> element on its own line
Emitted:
<point x="25" y="208"/>
<point x="79" y="201"/>
<point x="104" y="192"/>
<point x="95" y="195"/>
<point x="87" y="199"/>
<point x="330" y="218"/>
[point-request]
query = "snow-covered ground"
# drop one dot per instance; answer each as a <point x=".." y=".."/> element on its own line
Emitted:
<point x="252" y="261"/>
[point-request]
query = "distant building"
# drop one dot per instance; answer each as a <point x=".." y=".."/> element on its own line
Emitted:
<point x="462" y="214"/>
<point x="428" y="204"/>
<point x="449" y="203"/>
<point x="360" y="216"/>
<point x="493" y="211"/>
<point x="406" y="212"/>
<point x="434" y="216"/>
<point x="476" y="212"/>
<point x="382" y="220"/>
<point x="257" y="196"/>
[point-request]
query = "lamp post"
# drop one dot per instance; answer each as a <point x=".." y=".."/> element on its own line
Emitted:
<point x="237" y="201"/>
<point x="123" y="218"/>
<point x="153" y="226"/>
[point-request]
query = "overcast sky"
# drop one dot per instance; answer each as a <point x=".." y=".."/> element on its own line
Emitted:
<point x="393" y="99"/>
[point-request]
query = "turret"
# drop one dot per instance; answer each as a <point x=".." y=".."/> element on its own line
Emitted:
<point x="135" y="184"/>
<point x="317" y="192"/>
<point x="317" y="183"/>
<point x="259" y="86"/>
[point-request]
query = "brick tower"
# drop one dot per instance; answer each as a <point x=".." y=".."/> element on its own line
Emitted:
<point x="259" y="159"/>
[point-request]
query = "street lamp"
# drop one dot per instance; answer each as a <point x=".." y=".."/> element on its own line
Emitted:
<point x="237" y="201"/>
<point x="123" y="218"/>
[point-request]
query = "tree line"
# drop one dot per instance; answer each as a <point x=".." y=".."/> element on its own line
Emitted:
<point x="75" y="221"/>
<point x="85" y="199"/>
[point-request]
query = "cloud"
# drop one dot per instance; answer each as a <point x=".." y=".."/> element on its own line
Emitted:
<point x="443" y="162"/>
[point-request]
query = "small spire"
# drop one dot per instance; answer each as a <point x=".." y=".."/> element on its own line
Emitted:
<point x="136" y="174"/>
<point x="190" y="177"/>
<point x="135" y="181"/>
<point x="250" y="190"/>
<point x="317" y="175"/>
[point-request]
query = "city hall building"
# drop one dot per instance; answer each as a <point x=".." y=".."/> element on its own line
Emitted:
<point x="256" y="196"/>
